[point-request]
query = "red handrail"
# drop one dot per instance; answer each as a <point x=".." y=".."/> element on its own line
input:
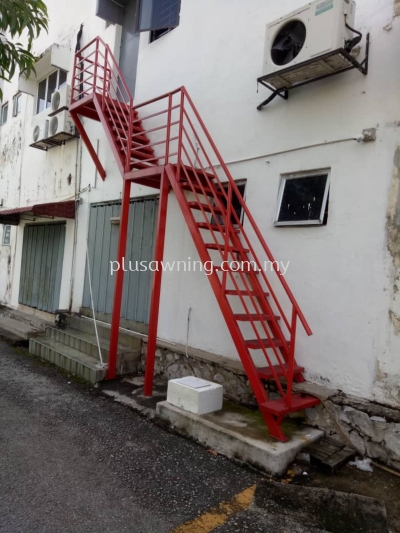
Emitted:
<point x="175" y="121"/>
<point x="230" y="179"/>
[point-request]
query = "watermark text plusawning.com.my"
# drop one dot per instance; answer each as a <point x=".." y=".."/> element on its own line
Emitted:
<point x="207" y="267"/>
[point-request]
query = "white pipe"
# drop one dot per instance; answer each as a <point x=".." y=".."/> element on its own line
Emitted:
<point x="305" y="147"/>
<point x="91" y="300"/>
<point x="129" y="331"/>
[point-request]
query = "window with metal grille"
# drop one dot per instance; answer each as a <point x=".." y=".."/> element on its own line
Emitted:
<point x="6" y="235"/>
<point x="303" y="199"/>
<point x="48" y="87"/>
<point x="158" y="16"/>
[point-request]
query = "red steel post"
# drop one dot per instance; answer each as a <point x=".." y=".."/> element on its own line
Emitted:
<point x="155" y="294"/>
<point x="119" y="282"/>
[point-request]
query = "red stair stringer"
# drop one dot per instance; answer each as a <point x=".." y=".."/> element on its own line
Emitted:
<point x="272" y="412"/>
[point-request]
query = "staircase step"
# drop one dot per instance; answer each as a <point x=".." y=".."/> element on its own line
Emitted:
<point x="279" y="407"/>
<point x="86" y="325"/>
<point x="243" y="317"/>
<point x="195" y="174"/>
<point x="124" y="134"/>
<point x="206" y="191"/>
<point x="137" y="156"/>
<point x="235" y="270"/>
<point x="214" y="227"/>
<point x="213" y="246"/>
<point x="68" y="359"/>
<point x="233" y="292"/>
<point x="138" y="165"/>
<point x="141" y="156"/>
<point x="266" y="372"/>
<point x="255" y="344"/>
<point x="128" y="358"/>
<point x="118" y="111"/>
<point x="147" y="150"/>
<point x="206" y="207"/>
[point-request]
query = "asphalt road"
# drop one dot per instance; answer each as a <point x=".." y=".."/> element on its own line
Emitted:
<point x="72" y="460"/>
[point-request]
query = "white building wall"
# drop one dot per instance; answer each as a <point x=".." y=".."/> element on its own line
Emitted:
<point x="30" y="176"/>
<point x="339" y="273"/>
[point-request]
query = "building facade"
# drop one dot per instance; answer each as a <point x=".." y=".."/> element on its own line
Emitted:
<point x="343" y="268"/>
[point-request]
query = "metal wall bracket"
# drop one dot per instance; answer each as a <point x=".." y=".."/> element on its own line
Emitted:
<point x="319" y="68"/>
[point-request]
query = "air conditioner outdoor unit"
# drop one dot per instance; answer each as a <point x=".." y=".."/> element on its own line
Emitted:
<point x="316" y="29"/>
<point x="40" y="134"/>
<point x="60" y="99"/>
<point x="61" y="127"/>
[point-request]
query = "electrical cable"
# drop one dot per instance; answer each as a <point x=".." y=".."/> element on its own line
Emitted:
<point x="352" y="42"/>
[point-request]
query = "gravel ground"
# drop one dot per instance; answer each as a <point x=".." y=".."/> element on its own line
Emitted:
<point x="72" y="460"/>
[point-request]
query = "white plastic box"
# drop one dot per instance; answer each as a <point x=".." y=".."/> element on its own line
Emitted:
<point x="195" y="395"/>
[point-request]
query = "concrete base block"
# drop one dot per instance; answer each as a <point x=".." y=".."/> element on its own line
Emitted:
<point x="195" y="395"/>
<point x="241" y="433"/>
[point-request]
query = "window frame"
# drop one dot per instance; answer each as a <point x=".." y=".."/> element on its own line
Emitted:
<point x="6" y="233"/>
<point x="151" y="26"/>
<point x="239" y="183"/>
<point x="153" y="37"/>
<point x="17" y="98"/>
<point x="3" y="107"/>
<point x="58" y="87"/>
<point x="303" y="174"/>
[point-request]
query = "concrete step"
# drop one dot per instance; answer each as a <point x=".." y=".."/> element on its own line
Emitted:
<point x="68" y="358"/>
<point x="128" y="359"/>
<point x="19" y="329"/>
<point x="86" y="325"/>
<point x="31" y="320"/>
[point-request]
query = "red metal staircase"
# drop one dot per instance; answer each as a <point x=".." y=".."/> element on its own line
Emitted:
<point x="163" y="143"/>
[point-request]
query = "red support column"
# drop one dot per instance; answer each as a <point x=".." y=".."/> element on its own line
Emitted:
<point x="119" y="282"/>
<point x="155" y="294"/>
<point x="86" y="140"/>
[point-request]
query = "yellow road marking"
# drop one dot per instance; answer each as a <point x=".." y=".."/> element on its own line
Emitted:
<point x="217" y="516"/>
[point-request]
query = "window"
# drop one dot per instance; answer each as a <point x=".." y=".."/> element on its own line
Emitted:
<point x="48" y="87"/>
<point x="6" y="235"/>
<point x="4" y="114"/>
<point x="156" y="34"/>
<point x="158" y="16"/>
<point x="236" y="204"/>
<point x="303" y="199"/>
<point x="17" y="104"/>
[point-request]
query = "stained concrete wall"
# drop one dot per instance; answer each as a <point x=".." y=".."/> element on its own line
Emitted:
<point x="29" y="176"/>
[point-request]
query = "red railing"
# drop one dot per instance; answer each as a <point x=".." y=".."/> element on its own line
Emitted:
<point x="179" y="136"/>
<point x="97" y="72"/>
<point x="176" y="135"/>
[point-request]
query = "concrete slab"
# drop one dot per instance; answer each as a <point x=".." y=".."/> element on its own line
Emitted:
<point x="241" y="434"/>
<point x="18" y="329"/>
<point x="34" y="318"/>
<point x="129" y="392"/>
<point x="12" y="338"/>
